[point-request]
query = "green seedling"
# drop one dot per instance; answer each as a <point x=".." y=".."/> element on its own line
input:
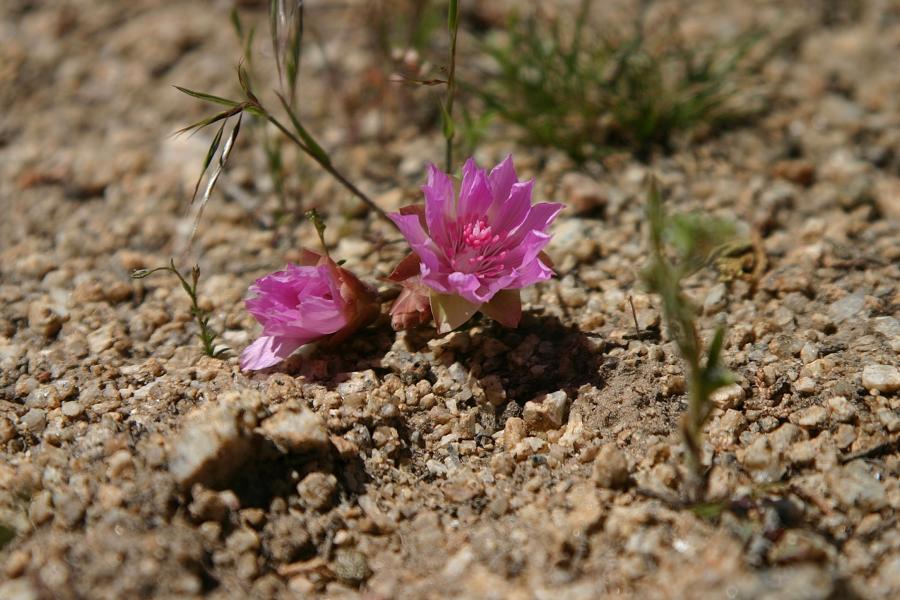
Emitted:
<point x="679" y="246"/>
<point x="207" y="334"/>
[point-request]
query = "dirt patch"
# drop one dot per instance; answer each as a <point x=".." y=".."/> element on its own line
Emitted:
<point x="487" y="463"/>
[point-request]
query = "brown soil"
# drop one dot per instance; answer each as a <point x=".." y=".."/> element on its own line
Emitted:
<point x="538" y="462"/>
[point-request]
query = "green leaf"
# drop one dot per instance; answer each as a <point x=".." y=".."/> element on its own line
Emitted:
<point x="236" y="23"/>
<point x="207" y="97"/>
<point x="715" y="348"/>
<point x="319" y="224"/>
<point x="453" y="15"/>
<point x="213" y="147"/>
<point x="312" y="146"/>
<point x="446" y="122"/>
<point x="244" y="82"/>
<point x="7" y="534"/>
<point x="213" y="119"/>
<point x="293" y="62"/>
<point x="451" y="311"/>
<point x="142" y="273"/>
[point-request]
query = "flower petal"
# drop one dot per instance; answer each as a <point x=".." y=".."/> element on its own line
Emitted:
<point x="531" y="273"/>
<point x="511" y="212"/>
<point x="412" y="307"/>
<point x="268" y="351"/>
<point x="406" y="268"/>
<point x="466" y="285"/>
<point x="418" y="240"/>
<point x="308" y="258"/>
<point x="502" y="178"/>
<point x="540" y="216"/>
<point x="439" y="204"/>
<point x="474" y="193"/>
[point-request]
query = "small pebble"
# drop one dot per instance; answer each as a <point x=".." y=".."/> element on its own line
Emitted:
<point x="610" y="467"/>
<point x="883" y="378"/>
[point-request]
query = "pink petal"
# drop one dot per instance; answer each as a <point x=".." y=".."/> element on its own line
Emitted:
<point x="509" y="214"/>
<point x="439" y="204"/>
<point x="412" y="307"/>
<point x="475" y="191"/>
<point x="308" y="258"/>
<point x="406" y="268"/>
<point x="531" y="273"/>
<point x="540" y="216"/>
<point x="502" y="178"/>
<point x="436" y="278"/>
<point x="268" y="351"/>
<point x="418" y="240"/>
<point x="527" y="250"/>
<point x="465" y="285"/>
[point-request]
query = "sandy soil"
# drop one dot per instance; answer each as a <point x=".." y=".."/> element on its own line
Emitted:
<point x="490" y="463"/>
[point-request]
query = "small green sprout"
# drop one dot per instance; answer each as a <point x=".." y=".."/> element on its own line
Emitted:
<point x="207" y="334"/>
<point x="692" y="240"/>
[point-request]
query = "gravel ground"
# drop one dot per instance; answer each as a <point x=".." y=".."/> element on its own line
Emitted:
<point x="489" y="463"/>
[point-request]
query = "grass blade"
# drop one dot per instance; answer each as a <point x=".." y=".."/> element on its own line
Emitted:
<point x="312" y="146"/>
<point x="210" y="120"/>
<point x="207" y="97"/>
<point x="223" y="159"/>
<point x="213" y="147"/>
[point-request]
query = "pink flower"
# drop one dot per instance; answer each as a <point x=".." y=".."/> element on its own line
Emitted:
<point x="475" y="251"/>
<point x="305" y="303"/>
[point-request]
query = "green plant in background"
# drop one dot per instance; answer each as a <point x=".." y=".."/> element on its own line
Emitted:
<point x="691" y="241"/>
<point x="207" y="334"/>
<point x="272" y="145"/>
<point x="447" y="104"/>
<point x="585" y="91"/>
<point x="287" y="33"/>
<point x="404" y="24"/>
<point x="472" y="128"/>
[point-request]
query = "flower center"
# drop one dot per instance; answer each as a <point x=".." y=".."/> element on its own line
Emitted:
<point x="479" y="249"/>
<point x="478" y="233"/>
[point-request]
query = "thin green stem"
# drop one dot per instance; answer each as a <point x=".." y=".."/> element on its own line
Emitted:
<point x="325" y="165"/>
<point x="206" y="334"/>
<point x="449" y="132"/>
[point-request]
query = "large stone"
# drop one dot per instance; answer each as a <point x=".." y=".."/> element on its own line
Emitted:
<point x="513" y="432"/>
<point x="215" y="441"/>
<point x="884" y="378"/>
<point x="610" y="467"/>
<point x="42" y="319"/>
<point x="855" y="486"/>
<point x="296" y="430"/>
<point x="18" y="589"/>
<point x="841" y="409"/>
<point x="548" y="412"/>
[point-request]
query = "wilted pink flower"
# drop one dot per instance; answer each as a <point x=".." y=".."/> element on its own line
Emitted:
<point x="304" y="303"/>
<point x="475" y="251"/>
<point x="413" y="306"/>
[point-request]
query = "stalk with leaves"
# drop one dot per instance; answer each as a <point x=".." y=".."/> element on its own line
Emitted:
<point x="693" y="240"/>
<point x="447" y="104"/>
<point x="207" y="334"/>
<point x="287" y="34"/>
